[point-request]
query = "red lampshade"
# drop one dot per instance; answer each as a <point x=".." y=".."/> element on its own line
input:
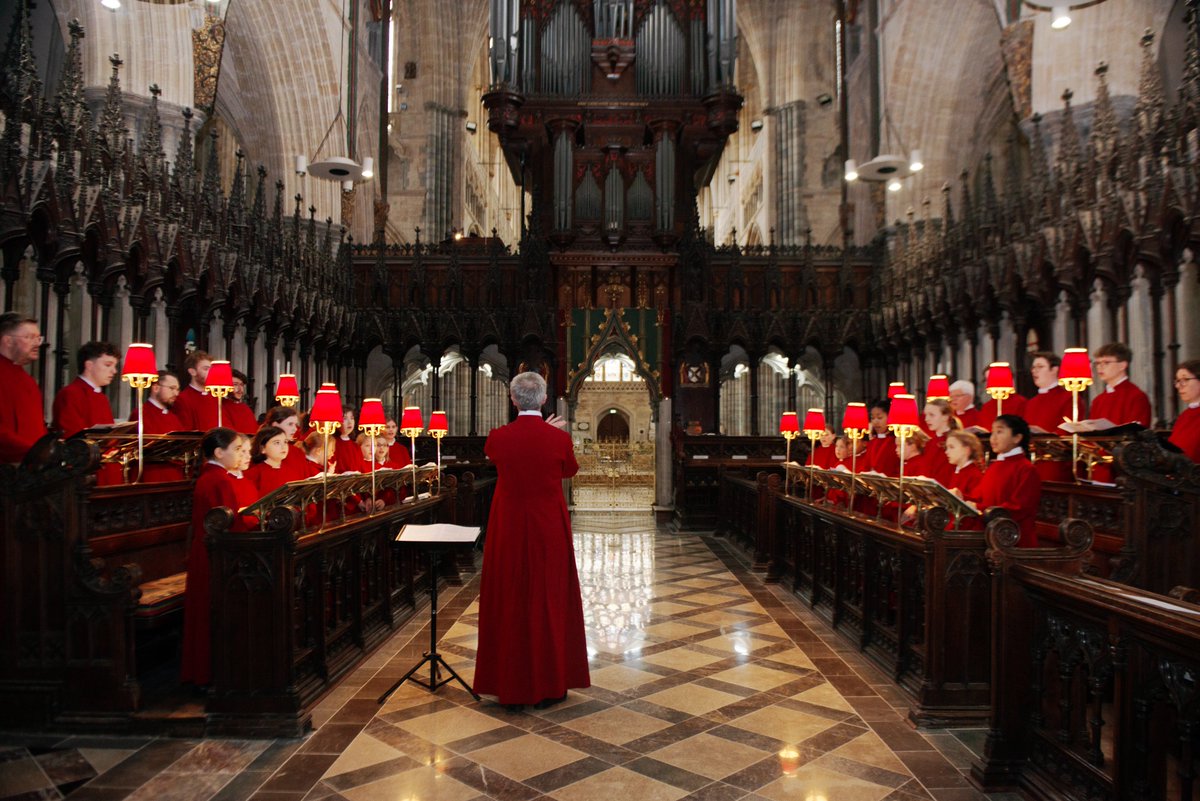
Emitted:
<point x="814" y="420"/>
<point x="789" y="423"/>
<point x="438" y="422"/>
<point x="939" y="387"/>
<point x="327" y="408"/>
<point x="903" y="412"/>
<point x="1000" y="376"/>
<point x="896" y="388"/>
<point x="371" y="413"/>
<point x="1075" y="365"/>
<point x="139" y="361"/>
<point x="411" y="419"/>
<point x="856" y="417"/>
<point x="220" y="375"/>
<point x="287" y="387"/>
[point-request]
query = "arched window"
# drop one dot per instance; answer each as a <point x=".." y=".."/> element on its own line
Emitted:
<point x="615" y="367"/>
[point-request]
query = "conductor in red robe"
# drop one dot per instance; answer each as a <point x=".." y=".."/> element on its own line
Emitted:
<point x="532" y="646"/>
<point x="22" y="414"/>
<point x="1185" y="434"/>
<point x="82" y="404"/>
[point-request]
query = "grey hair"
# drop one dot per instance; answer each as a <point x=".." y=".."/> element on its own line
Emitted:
<point x="528" y="391"/>
<point x="964" y="386"/>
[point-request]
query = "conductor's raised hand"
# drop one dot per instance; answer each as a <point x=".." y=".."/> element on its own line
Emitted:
<point x="557" y="421"/>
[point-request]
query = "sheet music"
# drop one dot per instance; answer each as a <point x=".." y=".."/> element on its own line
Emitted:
<point x="438" y="533"/>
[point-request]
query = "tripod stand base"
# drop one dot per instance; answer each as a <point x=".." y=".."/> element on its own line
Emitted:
<point x="435" y="661"/>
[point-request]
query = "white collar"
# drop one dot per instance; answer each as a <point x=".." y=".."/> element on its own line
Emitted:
<point x="1113" y="386"/>
<point x="1017" y="451"/>
<point x="236" y="473"/>
<point x="884" y="435"/>
<point x="537" y="412"/>
<point x="218" y="464"/>
<point x="88" y="381"/>
<point x="1044" y="390"/>
<point x="157" y="405"/>
<point x="199" y="388"/>
<point x="1194" y="405"/>
<point x="959" y="468"/>
<point x="969" y="408"/>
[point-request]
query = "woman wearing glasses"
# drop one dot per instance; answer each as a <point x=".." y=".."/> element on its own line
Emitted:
<point x="1185" y="434"/>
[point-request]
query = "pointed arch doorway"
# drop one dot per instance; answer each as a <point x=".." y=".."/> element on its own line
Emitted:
<point x="614" y="430"/>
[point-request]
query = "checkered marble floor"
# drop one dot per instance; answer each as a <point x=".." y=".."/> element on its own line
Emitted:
<point x="706" y="685"/>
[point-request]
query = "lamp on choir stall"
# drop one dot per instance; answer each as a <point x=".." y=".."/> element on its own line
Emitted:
<point x="325" y="418"/>
<point x="411" y="426"/>
<point x="1000" y="384"/>
<point x="287" y="391"/>
<point x="140" y="369"/>
<point x="439" y="426"/>
<point x="856" y="425"/>
<point x="938" y="388"/>
<point x="219" y="383"/>
<point x="1075" y="376"/>
<point x="903" y="421"/>
<point x="896" y="388"/>
<point x="814" y="429"/>
<point x="789" y="428"/>
<point x="372" y="421"/>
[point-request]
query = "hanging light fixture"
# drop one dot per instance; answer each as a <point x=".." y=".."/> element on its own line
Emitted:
<point x="111" y="5"/>
<point x="1060" y="17"/>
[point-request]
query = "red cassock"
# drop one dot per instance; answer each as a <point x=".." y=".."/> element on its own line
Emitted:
<point x="824" y="457"/>
<point x="969" y="418"/>
<point x="881" y="455"/>
<point x="238" y="416"/>
<point x="1013" y="484"/>
<point x="22" y="419"/>
<point x="214" y="488"/>
<point x="1014" y="404"/>
<point x="396" y="448"/>
<point x="532" y="644"/>
<point x="348" y="455"/>
<point x="159" y="421"/>
<point x="266" y="478"/>
<point x="966" y="480"/>
<point x="79" y="406"/>
<point x="1046" y="410"/>
<point x="195" y="409"/>
<point x="1185" y="434"/>
<point x="1124" y="403"/>
<point x="936" y="465"/>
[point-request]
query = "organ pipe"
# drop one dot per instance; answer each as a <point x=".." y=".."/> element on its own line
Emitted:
<point x="563" y="167"/>
<point x="505" y="24"/>
<point x="722" y="42"/>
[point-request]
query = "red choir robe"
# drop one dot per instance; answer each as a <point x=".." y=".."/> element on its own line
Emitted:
<point x="1012" y="483"/>
<point x="1014" y="404"/>
<point x="348" y="455"/>
<point x="197" y="410"/>
<point x="1046" y="410"/>
<point x="935" y="461"/>
<point x="297" y="463"/>
<point x="214" y="488"/>
<point x="969" y="417"/>
<point x="238" y="416"/>
<point x="1185" y="434"/>
<point x="967" y="480"/>
<point x="79" y="406"/>
<point x="1122" y="403"/>
<point x="266" y="478"/>
<point x="881" y="455"/>
<point x="159" y="421"/>
<point x="22" y="419"/>
<point x="823" y="457"/>
<point x="532" y="645"/>
<point x="395" y="448"/>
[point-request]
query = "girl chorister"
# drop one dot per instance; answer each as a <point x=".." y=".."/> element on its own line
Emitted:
<point x="221" y="451"/>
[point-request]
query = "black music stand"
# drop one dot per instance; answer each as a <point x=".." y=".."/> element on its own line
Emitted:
<point x="436" y="539"/>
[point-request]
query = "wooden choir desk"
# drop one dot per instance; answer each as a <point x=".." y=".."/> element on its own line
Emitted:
<point x="295" y="606"/>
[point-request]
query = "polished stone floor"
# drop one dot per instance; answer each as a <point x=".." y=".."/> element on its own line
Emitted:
<point x="706" y="685"/>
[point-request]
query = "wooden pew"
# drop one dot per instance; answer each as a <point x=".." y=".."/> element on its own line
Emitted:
<point x="701" y="462"/>
<point x="1094" y="682"/>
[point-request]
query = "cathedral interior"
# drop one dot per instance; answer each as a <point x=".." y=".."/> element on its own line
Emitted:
<point x="697" y="220"/>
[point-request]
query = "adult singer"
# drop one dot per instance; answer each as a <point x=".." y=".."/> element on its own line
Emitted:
<point x="532" y="647"/>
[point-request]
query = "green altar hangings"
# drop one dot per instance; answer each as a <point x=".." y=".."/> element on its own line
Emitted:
<point x="591" y="333"/>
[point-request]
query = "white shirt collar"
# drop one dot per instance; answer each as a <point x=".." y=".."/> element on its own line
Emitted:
<point x="1113" y="386"/>
<point x="1044" y="390"/>
<point x="1194" y="405"/>
<point x="196" y="387"/>
<point x="1017" y="451"/>
<point x="537" y="412"/>
<point x="959" y="468"/>
<point x="884" y="435"/>
<point x="157" y="405"/>
<point x="969" y="408"/>
<point x="87" y="381"/>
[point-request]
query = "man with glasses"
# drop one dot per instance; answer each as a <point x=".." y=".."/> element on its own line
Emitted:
<point x="22" y="418"/>
<point x="82" y="404"/>
<point x="1122" y="402"/>
<point x="237" y="413"/>
<point x="1185" y="434"/>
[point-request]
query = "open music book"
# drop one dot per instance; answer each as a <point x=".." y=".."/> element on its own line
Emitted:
<point x="434" y="533"/>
